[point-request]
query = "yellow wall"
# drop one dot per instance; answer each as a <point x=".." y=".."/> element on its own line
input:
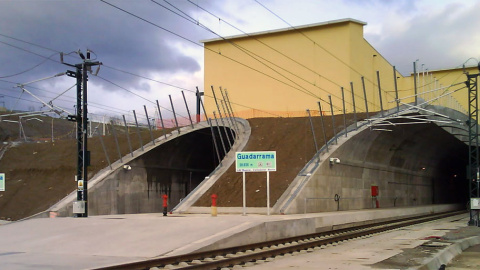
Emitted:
<point x="440" y="82"/>
<point x="283" y="73"/>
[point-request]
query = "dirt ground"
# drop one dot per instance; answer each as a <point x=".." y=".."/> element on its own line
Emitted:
<point x="40" y="174"/>
<point x="292" y="139"/>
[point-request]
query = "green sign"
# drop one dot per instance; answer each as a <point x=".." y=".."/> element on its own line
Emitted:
<point x="257" y="161"/>
<point x="2" y="182"/>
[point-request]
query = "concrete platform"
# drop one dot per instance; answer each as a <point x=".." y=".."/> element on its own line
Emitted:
<point x="80" y="243"/>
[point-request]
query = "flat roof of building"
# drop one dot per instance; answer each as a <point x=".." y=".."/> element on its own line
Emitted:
<point x="285" y="29"/>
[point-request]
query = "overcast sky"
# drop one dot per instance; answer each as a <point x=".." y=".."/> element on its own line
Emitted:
<point x="163" y="52"/>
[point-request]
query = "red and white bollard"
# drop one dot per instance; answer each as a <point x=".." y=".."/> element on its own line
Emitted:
<point x="214" y="205"/>
<point x="165" y="204"/>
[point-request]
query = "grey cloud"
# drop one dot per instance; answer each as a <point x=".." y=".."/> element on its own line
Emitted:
<point x="435" y="40"/>
<point x="402" y="6"/>
<point x="118" y="39"/>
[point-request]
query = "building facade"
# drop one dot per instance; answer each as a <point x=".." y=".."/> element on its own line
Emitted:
<point x="284" y="72"/>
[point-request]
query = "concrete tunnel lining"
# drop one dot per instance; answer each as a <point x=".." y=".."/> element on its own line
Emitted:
<point x="427" y="151"/>
<point x="412" y="165"/>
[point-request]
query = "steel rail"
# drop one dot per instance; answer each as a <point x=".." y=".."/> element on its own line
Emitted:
<point x="228" y="257"/>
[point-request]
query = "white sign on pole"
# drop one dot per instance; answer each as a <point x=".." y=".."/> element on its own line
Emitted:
<point x="475" y="203"/>
<point x="257" y="161"/>
<point x="2" y="182"/>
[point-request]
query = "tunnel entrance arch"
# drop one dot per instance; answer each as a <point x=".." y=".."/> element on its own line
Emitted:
<point x="177" y="167"/>
<point x="176" y="164"/>
<point x="412" y="164"/>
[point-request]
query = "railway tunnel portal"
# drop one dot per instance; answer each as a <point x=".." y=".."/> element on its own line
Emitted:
<point x="412" y="164"/>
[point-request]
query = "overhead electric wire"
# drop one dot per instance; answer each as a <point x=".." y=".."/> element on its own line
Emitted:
<point x="171" y="33"/>
<point x="179" y="36"/>
<point x="140" y="76"/>
<point x="90" y="113"/>
<point x="21" y="98"/>
<point x="272" y="48"/>
<point x="150" y="79"/>
<point x="49" y="58"/>
<point x="100" y="106"/>
<point x="149" y="22"/>
<point x="249" y="35"/>
<point x="175" y="86"/>
<point x="69" y="99"/>
<point x="33" y="44"/>
<point x="317" y="44"/>
<point x="156" y="25"/>
<point x="22" y="49"/>
<point x="34" y="53"/>
<point x="132" y="73"/>
<point x="100" y="77"/>
<point x="154" y="103"/>
<point x="189" y="90"/>
<point x="251" y="54"/>
<point x="29" y="69"/>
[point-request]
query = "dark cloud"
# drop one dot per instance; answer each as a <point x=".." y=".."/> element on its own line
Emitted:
<point x="118" y="40"/>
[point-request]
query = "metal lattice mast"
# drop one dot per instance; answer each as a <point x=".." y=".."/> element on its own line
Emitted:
<point x="473" y="173"/>
<point x="81" y="119"/>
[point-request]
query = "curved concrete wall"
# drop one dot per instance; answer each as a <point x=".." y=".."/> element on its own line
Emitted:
<point x="174" y="166"/>
<point x="414" y="164"/>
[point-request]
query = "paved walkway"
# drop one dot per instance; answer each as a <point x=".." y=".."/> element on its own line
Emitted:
<point x="80" y="243"/>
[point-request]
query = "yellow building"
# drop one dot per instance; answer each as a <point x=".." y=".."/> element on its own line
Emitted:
<point x="284" y="72"/>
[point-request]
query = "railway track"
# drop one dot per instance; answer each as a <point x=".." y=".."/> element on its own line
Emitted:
<point x="266" y="251"/>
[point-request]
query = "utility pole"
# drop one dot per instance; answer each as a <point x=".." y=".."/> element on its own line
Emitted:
<point x="80" y="207"/>
<point x="473" y="170"/>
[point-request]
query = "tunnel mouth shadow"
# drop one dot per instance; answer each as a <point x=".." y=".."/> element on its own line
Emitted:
<point x="178" y="166"/>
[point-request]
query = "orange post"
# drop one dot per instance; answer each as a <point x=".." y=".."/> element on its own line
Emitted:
<point x="214" y="205"/>
<point x="165" y="204"/>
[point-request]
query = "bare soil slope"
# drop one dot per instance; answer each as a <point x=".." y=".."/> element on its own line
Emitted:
<point x="292" y="139"/>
